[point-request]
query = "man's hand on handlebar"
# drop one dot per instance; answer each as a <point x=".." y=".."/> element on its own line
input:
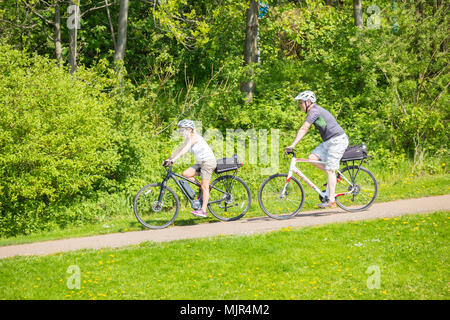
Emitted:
<point x="288" y="150"/>
<point x="167" y="163"/>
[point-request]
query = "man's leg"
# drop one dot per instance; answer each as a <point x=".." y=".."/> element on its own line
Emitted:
<point x="331" y="174"/>
<point x="315" y="157"/>
<point x="335" y="150"/>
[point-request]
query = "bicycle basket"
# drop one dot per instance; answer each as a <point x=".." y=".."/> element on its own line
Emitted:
<point x="358" y="152"/>
<point x="227" y="164"/>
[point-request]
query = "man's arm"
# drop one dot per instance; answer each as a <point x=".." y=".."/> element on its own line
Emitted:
<point x="300" y="134"/>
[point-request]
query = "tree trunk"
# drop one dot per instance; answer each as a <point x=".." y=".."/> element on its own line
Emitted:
<point x="111" y="28"/>
<point x="250" y="49"/>
<point x="419" y="8"/>
<point x="58" y="47"/>
<point x="119" y="53"/>
<point x="73" y="23"/>
<point x="73" y="50"/>
<point x="357" y="13"/>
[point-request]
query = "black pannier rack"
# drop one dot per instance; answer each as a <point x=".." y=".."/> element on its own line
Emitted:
<point x="227" y="164"/>
<point x="358" y="152"/>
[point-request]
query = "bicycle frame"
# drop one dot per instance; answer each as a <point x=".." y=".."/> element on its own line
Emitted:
<point x="174" y="176"/>
<point x="293" y="169"/>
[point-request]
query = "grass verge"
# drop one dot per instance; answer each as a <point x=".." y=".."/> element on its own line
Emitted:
<point x="398" y="258"/>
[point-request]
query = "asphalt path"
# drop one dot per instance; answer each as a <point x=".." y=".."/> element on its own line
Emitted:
<point x="240" y="227"/>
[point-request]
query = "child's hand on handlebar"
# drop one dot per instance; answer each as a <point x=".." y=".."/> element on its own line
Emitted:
<point x="167" y="163"/>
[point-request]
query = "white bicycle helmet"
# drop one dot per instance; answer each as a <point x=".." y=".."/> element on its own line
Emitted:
<point x="186" y="123"/>
<point x="306" y="95"/>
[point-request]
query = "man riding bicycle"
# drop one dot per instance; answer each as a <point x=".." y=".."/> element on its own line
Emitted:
<point x="334" y="144"/>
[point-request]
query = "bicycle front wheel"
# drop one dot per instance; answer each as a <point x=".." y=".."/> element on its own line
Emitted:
<point x="154" y="214"/>
<point x="281" y="200"/>
<point x="229" y="198"/>
<point x="356" y="190"/>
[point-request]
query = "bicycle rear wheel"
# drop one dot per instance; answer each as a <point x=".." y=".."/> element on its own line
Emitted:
<point x="231" y="200"/>
<point x="153" y="214"/>
<point x="277" y="205"/>
<point x="358" y="195"/>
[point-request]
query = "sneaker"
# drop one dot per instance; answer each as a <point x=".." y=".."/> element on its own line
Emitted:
<point x="199" y="213"/>
<point x="328" y="204"/>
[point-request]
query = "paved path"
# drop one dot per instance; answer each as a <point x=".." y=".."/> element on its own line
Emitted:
<point x="240" y="227"/>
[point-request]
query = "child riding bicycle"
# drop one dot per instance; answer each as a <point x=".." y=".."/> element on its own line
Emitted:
<point x="206" y="161"/>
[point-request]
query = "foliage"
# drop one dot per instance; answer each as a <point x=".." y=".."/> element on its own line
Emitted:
<point x="85" y="141"/>
<point x="56" y="139"/>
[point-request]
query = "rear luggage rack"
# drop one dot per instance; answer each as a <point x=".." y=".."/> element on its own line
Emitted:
<point x="228" y="164"/>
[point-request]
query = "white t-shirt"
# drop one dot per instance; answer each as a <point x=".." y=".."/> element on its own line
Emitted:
<point x="202" y="151"/>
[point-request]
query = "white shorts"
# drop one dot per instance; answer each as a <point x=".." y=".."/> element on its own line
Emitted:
<point x="331" y="151"/>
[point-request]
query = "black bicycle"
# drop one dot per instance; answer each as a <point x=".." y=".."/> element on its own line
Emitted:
<point x="156" y="205"/>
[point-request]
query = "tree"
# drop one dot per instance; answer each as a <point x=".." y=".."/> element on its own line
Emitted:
<point x="73" y="23"/>
<point x="57" y="39"/>
<point x="250" y="49"/>
<point x="357" y="13"/>
<point x="122" y="31"/>
<point x="37" y="15"/>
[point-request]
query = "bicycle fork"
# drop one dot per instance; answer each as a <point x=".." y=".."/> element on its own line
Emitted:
<point x="163" y="187"/>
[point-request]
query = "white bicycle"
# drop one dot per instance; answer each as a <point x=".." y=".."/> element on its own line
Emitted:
<point x="281" y="196"/>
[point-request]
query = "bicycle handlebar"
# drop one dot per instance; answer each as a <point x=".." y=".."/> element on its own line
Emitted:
<point x="167" y="164"/>
<point x="290" y="151"/>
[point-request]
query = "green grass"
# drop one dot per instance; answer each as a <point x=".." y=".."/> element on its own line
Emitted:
<point x="324" y="262"/>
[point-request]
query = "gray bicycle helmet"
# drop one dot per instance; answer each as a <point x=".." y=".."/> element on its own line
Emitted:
<point x="186" y="123"/>
<point x="306" y="95"/>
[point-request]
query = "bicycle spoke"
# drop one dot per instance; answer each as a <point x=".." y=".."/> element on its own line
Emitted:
<point x="229" y="198"/>
<point x="277" y="206"/>
<point x="153" y="213"/>
<point x="361" y="194"/>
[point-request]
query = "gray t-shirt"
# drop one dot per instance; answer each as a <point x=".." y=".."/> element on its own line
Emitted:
<point x="324" y="122"/>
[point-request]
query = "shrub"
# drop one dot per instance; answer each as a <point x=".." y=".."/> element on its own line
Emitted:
<point x="55" y="138"/>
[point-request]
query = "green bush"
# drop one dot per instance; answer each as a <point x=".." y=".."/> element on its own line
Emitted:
<point x="56" y="140"/>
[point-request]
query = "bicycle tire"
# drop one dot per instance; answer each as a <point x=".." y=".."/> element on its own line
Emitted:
<point x="244" y="201"/>
<point x="365" y="182"/>
<point x="142" y="207"/>
<point x="269" y="208"/>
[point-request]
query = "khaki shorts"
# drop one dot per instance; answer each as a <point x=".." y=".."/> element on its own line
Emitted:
<point x="204" y="169"/>
<point x="331" y="151"/>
